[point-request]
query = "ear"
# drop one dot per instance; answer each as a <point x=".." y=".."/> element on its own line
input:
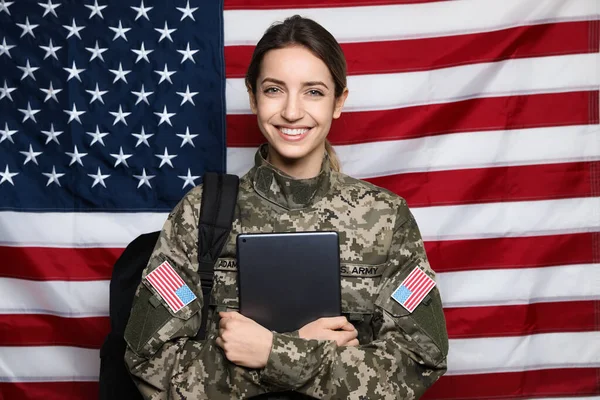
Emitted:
<point x="252" y="99"/>
<point x="339" y="104"/>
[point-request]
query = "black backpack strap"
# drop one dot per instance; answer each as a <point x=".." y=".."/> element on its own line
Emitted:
<point x="219" y="197"/>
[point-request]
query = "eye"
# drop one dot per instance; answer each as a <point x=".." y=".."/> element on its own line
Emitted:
<point x="315" y="92"/>
<point x="271" y="90"/>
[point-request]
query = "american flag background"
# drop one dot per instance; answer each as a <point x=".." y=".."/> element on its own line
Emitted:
<point x="484" y="115"/>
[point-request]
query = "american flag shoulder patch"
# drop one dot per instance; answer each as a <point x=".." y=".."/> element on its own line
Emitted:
<point x="413" y="289"/>
<point x="170" y="286"/>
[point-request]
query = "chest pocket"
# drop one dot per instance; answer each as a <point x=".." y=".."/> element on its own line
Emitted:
<point x="360" y="285"/>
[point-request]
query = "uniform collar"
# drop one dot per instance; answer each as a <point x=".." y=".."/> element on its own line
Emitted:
<point x="284" y="190"/>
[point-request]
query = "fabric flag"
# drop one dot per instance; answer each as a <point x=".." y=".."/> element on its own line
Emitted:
<point x="413" y="289"/>
<point x="170" y="286"/>
<point x="483" y="115"/>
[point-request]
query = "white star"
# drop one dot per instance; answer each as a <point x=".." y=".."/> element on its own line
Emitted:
<point x="189" y="179"/>
<point x="144" y="179"/>
<point x="187" y="11"/>
<point x="30" y="155"/>
<point x="96" y="10"/>
<point x="165" y="116"/>
<point x="97" y="94"/>
<point x="96" y="51"/>
<point x="142" y="137"/>
<point x="165" y="32"/>
<point x="98" y="178"/>
<point x="27" y="28"/>
<point x="119" y="31"/>
<point x="6" y="91"/>
<point x="187" y="96"/>
<point x="51" y="50"/>
<point x="187" y="138"/>
<point x="53" y="176"/>
<point x="29" y="113"/>
<point x="142" y="11"/>
<point x="119" y="115"/>
<point x="7" y="175"/>
<point x="187" y="54"/>
<point x="4" y="6"/>
<point x="165" y="158"/>
<point x="120" y="73"/>
<point x="50" y="8"/>
<point x="142" y="96"/>
<point x="73" y="29"/>
<point x="74" y="72"/>
<point x="165" y="75"/>
<point x="142" y="53"/>
<point x="76" y="156"/>
<point x="121" y="158"/>
<point x="28" y="70"/>
<point x="51" y="93"/>
<point x="52" y="135"/>
<point x="7" y="134"/>
<point x="97" y="136"/>
<point x="5" y="48"/>
<point x="74" y="114"/>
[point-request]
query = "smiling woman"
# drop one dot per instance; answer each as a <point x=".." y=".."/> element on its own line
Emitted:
<point x="389" y="342"/>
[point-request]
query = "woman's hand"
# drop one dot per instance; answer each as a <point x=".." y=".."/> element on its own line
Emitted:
<point x="335" y="328"/>
<point x="245" y="342"/>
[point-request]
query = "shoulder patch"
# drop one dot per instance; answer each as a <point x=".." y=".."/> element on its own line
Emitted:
<point x="413" y="289"/>
<point x="169" y="285"/>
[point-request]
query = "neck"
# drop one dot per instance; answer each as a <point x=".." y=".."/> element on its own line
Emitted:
<point x="303" y="168"/>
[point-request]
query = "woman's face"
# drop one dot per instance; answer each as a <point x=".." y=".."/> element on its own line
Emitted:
<point x="295" y="104"/>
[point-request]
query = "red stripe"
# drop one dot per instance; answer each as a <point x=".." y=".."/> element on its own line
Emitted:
<point x="517" y="252"/>
<point x="517" y="385"/>
<point x="37" y="263"/>
<point x="448" y="51"/>
<point x="491" y="185"/>
<point x="50" y="330"/>
<point x="482" y="114"/>
<point x="521" y="320"/>
<point x="174" y="275"/>
<point x="51" y="263"/>
<point x="49" y="390"/>
<point x="287" y="4"/>
<point x="462" y="323"/>
<point x="168" y="278"/>
<point x="426" y="286"/>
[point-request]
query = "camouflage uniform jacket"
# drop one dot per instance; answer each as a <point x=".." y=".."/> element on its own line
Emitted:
<point x="400" y="355"/>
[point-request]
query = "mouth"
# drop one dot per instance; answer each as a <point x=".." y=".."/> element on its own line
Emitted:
<point x="293" y="134"/>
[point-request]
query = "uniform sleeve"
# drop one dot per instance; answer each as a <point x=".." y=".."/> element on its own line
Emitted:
<point x="163" y="359"/>
<point x="407" y="355"/>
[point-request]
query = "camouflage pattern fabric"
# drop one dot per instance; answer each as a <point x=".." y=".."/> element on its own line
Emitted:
<point x="400" y="355"/>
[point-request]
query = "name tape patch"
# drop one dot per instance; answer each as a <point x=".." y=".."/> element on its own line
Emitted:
<point x="413" y="289"/>
<point x="171" y="287"/>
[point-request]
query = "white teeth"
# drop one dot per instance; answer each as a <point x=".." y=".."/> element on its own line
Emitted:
<point x="293" y="132"/>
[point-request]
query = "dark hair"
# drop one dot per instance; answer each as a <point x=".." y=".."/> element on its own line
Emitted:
<point x="305" y="32"/>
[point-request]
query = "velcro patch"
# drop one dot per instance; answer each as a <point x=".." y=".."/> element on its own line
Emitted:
<point x="413" y="289"/>
<point x="171" y="287"/>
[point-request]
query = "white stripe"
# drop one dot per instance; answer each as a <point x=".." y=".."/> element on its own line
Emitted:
<point x="61" y="298"/>
<point x="511" y="219"/>
<point x="456" y="151"/>
<point x="522" y="218"/>
<point x="76" y="229"/>
<point x="48" y="363"/>
<point x="353" y="24"/>
<point x="523" y="353"/>
<point x="515" y="76"/>
<point x="487" y="355"/>
<point x="458" y="289"/>
<point x="520" y="285"/>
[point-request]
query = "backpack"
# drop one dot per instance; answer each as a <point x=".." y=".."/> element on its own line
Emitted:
<point x="217" y="209"/>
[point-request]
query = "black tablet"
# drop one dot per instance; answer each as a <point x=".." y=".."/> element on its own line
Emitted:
<point x="287" y="280"/>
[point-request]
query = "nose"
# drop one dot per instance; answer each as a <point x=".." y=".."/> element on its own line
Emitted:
<point x="292" y="109"/>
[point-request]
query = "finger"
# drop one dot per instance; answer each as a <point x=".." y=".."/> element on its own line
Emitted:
<point x="333" y="323"/>
<point x="347" y="327"/>
<point x="353" y="342"/>
<point x="219" y="342"/>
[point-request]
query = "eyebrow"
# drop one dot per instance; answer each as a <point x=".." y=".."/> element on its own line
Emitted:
<point x="282" y="83"/>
